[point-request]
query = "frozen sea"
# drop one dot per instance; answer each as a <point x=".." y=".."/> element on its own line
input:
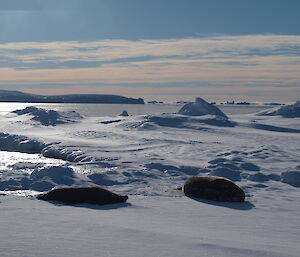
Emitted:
<point x="94" y="110"/>
<point x="147" y="155"/>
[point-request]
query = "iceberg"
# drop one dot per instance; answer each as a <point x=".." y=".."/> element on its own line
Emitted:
<point x="200" y="107"/>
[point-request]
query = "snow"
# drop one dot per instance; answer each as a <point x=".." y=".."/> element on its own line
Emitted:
<point x="291" y="177"/>
<point x="289" y="111"/>
<point x="201" y="107"/>
<point x="146" y="226"/>
<point x="9" y="142"/>
<point x="148" y="156"/>
<point x="48" y="117"/>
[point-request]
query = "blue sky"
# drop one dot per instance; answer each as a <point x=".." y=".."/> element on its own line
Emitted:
<point x="153" y="49"/>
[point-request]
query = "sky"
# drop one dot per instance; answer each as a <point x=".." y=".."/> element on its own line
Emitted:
<point x="158" y="49"/>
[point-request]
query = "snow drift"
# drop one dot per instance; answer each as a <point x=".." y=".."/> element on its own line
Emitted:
<point x="154" y="122"/>
<point x="23" y="144"/>
<point x="150" y="164"/>
<point x="42" y="178"/>
<point x="173" y="120"/>
<point x="49" y="117"/>
<point x="16" y="143"/>
<point x="289" y="111"/>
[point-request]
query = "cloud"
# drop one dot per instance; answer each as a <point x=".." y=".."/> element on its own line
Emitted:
<point x="219" y="60"/>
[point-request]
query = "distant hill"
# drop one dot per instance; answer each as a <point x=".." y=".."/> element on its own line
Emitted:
<point x="17" y="96"/>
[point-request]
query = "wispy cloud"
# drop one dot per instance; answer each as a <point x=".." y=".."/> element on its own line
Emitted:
<point x="220" y="60"/>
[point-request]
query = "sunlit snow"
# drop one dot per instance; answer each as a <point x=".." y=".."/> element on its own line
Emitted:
<point x="147" y="156"/>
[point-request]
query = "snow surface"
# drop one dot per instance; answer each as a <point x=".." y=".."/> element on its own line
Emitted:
<point x="201" y="107"/>
<point x="146" y="226"/>
<point x="48" y="117"/>
<point x="289" y="111"/>
<point x="148" y="157"/>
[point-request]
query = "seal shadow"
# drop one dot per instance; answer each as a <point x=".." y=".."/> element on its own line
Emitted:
<point x="92" y="206"/>
<point x="242" y="206"/>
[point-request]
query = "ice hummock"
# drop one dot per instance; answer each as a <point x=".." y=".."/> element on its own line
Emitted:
<point x="23" y="144"/>
<point x="288" y="111"/>
<point x="200" y="107"/>
<point x="183" y="121"/>
<point x="49" y="117"/>
<point x="17" y="143"/>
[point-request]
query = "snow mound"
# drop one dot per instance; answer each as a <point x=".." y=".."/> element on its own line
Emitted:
<point x="173" y="120"/>
<point x="50" y="177"/>
<point x="200" y="107"/>
<point x="152" y="122"/>
<point x="71" y="155"/>
<point x="289" y="111"/>
<point x="41" y="178"/>
<point x="22" y="144"/>
<point x="49" y="117"/>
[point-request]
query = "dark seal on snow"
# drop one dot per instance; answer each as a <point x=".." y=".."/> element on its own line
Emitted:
<point x="76" y="195"/>
<point x="213" y="188"/>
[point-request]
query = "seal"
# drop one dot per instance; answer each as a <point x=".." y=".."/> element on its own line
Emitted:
<point x="77" y="195"/>
<point x="213" y="188"/>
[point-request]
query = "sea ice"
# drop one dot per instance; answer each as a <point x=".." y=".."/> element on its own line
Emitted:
<point x="148" y="156"/>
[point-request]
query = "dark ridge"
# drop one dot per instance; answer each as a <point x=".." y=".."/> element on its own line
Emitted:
<point x="16" y="96"/>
